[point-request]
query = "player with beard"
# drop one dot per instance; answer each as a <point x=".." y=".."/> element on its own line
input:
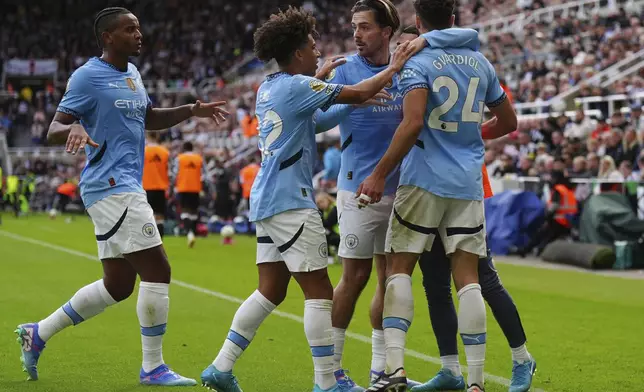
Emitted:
<point x="366" y="133"/>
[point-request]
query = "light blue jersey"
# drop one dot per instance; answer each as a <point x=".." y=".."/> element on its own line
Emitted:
<point x="367" y="132"/>
<point x="448" y="155"/>
<point x="286" y="105"/>
<point x="111" y="105"/>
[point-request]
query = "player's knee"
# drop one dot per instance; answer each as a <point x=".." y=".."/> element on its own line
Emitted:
<point x="357" y="276"/>
<point x="120" y="291"/>
<point x="276" y="295"/>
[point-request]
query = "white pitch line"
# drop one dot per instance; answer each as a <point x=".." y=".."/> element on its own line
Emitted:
<point x="356" y="336"/>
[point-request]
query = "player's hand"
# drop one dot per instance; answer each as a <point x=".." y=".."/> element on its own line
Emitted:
<point x="370" y="191"/>
<point x="418" y="44"/>
<point x="329" y="65"/>
<point x="377" y="100"/>
<point x="210" y="110"/>
<point x="77" y="139"/>
<point x="400" y="56"/>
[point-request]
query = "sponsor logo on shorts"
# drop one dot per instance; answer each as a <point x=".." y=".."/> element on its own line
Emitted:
<point x="149" y="230"/>
<point x="323" y="250"/>
<point x="351" y="241"/>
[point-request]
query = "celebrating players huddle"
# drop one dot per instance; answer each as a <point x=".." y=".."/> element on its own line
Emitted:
<point x="410" y="188"/>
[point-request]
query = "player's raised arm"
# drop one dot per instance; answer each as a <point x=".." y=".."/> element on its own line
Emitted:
<point x="366" y="89"/>
<point x="157" y="119"/>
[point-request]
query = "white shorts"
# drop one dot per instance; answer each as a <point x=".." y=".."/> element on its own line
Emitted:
<point x="419" y="216"/>
<point x="362" y="231"/>
<point x="295" y="237"/>
<point x="124" y="223"/>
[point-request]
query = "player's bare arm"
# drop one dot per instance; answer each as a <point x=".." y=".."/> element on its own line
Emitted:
<point x="158" y="119"/>
<point x="65" y="129"/>
<point x="414" y="106"/>
<point x="504" y="121"/>
<point x="366" y="89"/>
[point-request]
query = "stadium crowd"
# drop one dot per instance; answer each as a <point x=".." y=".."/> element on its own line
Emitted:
<point x="536" y="63"/>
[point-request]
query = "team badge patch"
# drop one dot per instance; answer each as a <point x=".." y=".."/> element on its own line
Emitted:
<point x="149" y="230"/>
<point x="323" y="250"/>
<point x="330" y="76"/>
<point x="317" y="85"/>
<point x="407" y="73"/>
<point x="351" y="241"/>
<point x="389" y="84"/>
<point x="131" y="84"/>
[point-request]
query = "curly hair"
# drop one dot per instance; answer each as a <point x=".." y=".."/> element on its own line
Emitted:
<point x="384" y="10"/>
<point x="435" y="14"/>
<point x="284" y="33"/>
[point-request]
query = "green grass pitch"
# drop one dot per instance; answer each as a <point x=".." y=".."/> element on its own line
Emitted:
<point x="584" y="330"/>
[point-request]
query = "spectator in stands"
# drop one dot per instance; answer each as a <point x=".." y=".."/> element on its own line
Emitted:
<point x="636" y="119"/>
<point x="638" y="175"/>
<point x="614" y="147"/>
<point x="602" y="127"/>
<point x="630" y="146"/>
<point x="581" y="127"/>
<point x="592" y="163"/>
<point x="525" y="164"/>
<point x="332" y="158"/>
<point x="506" y="167"/>
<point x="579" y="169"/>
<point x="626" y="169"/>
<point x="526" y="147"/>
<point x="607" y="170"/>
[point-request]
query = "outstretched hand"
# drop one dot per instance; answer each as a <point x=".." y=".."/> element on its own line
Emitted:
<point x="77" y="139"/>
<point x="400" y="56"/>
<point x="329" y="65"/>
<point x="210" y="110"/>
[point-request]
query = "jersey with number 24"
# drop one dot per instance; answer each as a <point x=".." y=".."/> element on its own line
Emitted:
<point x="447" y="157"/>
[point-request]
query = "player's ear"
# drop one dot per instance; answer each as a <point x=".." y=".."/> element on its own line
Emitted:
<point x="298" y="55"/>
<point x="106" y="37"/>
<point x="387" y="32"/>
<point x="418" y="24"/>
<point x="452" y="20"/>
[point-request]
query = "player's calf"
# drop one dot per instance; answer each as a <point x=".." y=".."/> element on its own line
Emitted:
<point x="318" y="293"/>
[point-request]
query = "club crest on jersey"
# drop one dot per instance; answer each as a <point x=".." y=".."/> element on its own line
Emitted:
<point x="351" y="241"/>
<point x="330" y="76"/>
<point x="149" y="230"/>
<point x="323" y="250"/>
<point x="317" y="85"/>
<point x="131" y="84"/>
<point x="389" y="84"/>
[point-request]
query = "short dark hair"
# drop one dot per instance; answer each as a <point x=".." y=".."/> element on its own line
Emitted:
<point x="187" y="146"/>
<point x="284" y="33"/>
<point x="384" y="10"/>
<point x="105" y="20"/>
<point x="435" y="14"/>
<point x="411" y="29"/>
